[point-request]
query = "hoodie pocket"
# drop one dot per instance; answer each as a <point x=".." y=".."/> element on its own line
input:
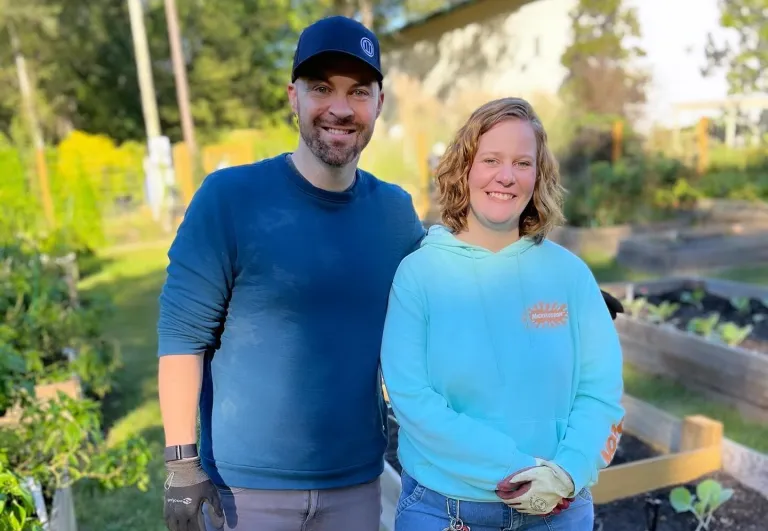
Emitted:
<point x="537" y="438"/>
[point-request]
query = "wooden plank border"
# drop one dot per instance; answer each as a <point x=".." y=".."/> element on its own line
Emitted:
<point x="664" y="431"/>
<point x="631" y="479"/>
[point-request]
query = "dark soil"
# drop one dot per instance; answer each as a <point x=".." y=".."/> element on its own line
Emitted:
<point x="694" y="302"/>
<point x="747" y="510"/>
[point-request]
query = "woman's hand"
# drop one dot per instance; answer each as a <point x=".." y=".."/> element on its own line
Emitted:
<point x="540" y="490"/>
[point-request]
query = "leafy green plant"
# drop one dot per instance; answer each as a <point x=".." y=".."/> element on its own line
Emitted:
<point x="43" y="321"/>
<point x="741" y="305"/>
<point x="710" y="496"/>
<point x="60" y="441"/>
<point x="12" y="375"/>
<point x="662" y="312"/>
<point x="634" y="306"/>
<point x="732" y="334"/>
<point x="17" y="508"/>
<point x="704" y="326"/>
<point x="694" y="297"/>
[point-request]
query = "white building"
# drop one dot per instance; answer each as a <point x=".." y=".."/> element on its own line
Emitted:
<point x="513" y="47"/>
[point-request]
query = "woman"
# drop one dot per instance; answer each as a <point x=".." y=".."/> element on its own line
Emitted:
<point x="499" y="355"/>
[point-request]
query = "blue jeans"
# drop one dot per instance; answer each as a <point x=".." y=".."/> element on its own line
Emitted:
<point x="422" y="509"/>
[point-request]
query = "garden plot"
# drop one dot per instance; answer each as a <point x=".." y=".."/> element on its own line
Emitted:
<point x="744" y="510"/>
<point x="710" y="335"/>
<point x="662" y="462"/>
<point x="694" y="250"/>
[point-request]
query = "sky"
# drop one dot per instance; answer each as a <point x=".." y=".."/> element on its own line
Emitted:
<point x="674" y="37"/>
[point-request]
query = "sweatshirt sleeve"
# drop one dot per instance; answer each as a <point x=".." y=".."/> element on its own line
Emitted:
<point x="478" y="454"/>
<point x="200" y="273"/>
<point x="596" y="419"/>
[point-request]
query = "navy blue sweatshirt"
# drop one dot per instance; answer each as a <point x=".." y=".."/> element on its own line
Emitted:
<point x="283" y="287"/>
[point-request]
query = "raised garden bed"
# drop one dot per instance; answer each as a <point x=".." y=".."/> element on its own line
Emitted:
<point x="652" y="437"/>
<point x="710" y="335"/>
<point x="605" y="241"/>
<point x="745" y="511"/>
<point x="694" y="250"/>
<point x="718" y="211"/>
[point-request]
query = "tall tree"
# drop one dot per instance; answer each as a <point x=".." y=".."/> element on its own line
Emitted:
<point x="747" y="63"/>
<point x="602" y="77"/>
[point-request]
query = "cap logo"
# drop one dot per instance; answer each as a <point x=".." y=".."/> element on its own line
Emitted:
<point x="367" y="46"/>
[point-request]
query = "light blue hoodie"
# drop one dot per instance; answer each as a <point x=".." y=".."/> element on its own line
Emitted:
<point x="492" y="359"/>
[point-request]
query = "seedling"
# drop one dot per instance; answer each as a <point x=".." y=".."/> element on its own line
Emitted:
<point x="741" y="305"/>
<point x="634" y="306"/>
<point x="710" y="495"/>
<point x="732" y="334"/>
<point x="663" y="312"/>
<point x="694" y="297"/>
<point x="704" y="326"/>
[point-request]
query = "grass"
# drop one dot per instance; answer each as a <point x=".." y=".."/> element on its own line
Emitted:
<point x="133" y="276"/>
<point x="674" y="398"/>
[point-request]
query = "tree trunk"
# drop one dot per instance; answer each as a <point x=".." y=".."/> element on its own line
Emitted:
<point x="28" y="101"/>
<point x="366" y="13"/>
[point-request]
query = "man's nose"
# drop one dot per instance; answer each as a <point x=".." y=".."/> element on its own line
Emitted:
<point x="340" y="107"/>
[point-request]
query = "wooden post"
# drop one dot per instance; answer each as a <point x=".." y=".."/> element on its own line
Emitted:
<point x="702" y="143"/>
<point x="699" y="431"/>
<point x="618" y="137"/>
<point x="182" y="95"/>
<point x="28" y="101"/>
<point x="182" y="162"/>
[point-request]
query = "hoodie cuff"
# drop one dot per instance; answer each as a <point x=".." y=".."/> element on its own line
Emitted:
<point x="576" y="465"/>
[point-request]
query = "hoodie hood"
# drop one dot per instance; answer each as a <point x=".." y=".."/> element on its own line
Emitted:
<point x="442" y="238"/>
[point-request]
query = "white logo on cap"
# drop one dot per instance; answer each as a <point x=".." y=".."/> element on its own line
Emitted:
<point x="367" y="46"/>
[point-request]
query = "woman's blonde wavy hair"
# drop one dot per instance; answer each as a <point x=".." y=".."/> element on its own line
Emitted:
<point x="543" y="213"/>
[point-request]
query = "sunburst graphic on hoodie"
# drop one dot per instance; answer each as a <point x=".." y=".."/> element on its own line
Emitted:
<point x="546" y="315"/>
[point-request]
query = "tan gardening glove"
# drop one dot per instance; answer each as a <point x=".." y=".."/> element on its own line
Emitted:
<point x="536" y="490"/>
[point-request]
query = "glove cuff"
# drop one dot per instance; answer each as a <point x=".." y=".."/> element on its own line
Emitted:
<point x="563" y="476"/>
<point x="185" y="472"/>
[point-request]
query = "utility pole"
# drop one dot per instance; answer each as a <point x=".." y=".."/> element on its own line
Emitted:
<point x="158" y="165"/>
<point x="144" y="68"/>
<point x="182" y="94"/>
<point x="28" y="100"/>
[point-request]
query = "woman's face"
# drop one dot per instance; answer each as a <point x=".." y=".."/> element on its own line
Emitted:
<point x="503" y="174"/>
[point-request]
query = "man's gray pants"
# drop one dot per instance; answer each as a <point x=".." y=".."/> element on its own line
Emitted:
<point x="355" y="508"/>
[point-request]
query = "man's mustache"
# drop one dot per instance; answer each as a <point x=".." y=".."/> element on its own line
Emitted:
<point x="350" y="123"/>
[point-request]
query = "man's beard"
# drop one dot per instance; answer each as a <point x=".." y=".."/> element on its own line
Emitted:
<point x="332" y="155"/>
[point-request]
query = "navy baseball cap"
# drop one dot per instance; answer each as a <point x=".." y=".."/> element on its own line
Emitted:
<point x="337" y="34"/>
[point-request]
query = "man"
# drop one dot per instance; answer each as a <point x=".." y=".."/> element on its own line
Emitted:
<point x="272" y="313"/>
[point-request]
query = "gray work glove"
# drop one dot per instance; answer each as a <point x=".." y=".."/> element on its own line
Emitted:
<point x="186" y="488"/>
